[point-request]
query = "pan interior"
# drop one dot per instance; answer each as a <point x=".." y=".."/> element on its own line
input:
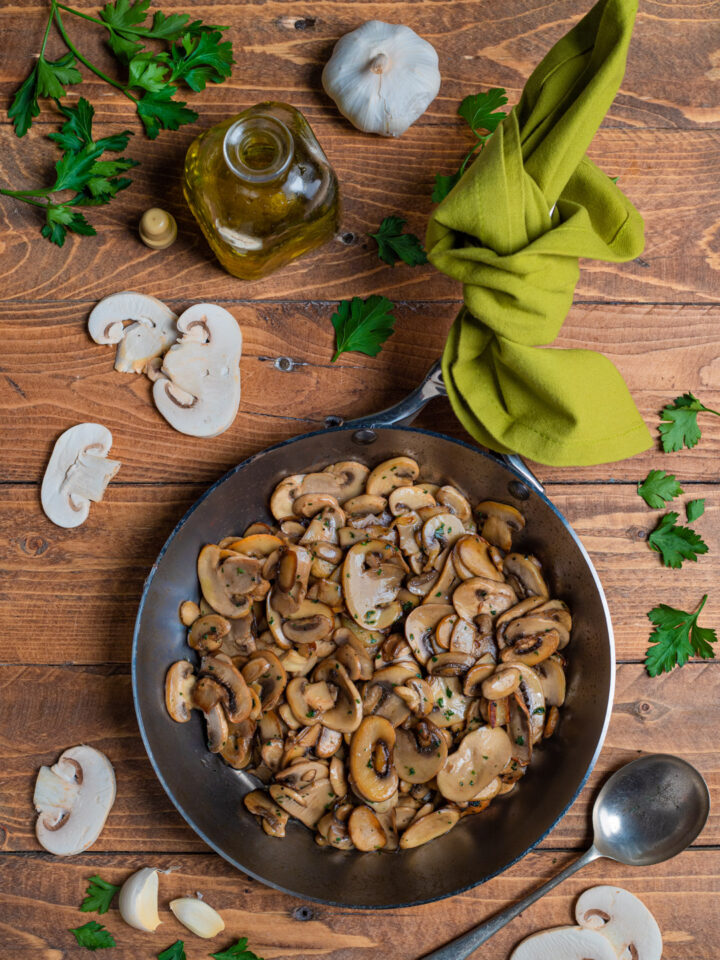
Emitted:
<point x="209" y="794"/>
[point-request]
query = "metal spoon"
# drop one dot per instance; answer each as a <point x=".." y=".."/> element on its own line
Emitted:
<point x="648" y="811"/>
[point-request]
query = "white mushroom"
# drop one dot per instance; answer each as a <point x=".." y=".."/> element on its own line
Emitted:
<point x="198" y="391"/>
<point x="564" y="943"/>
<point x="73" y="798"/>
<point x="138" y="900"/>
<point x="77" y="473"/>
<point x="623" y="919"/>
<point x="198" y="916"/>
<point x="149" y="335"/>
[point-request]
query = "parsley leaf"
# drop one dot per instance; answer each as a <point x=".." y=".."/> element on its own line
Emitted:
<point x="481" y="112"/>
<point x="238" y="951"/>
<point x="394" y="245"/>
<point x="658" y="488"/>
<point x="48" y="78"/>
<point x="158" y="111"/>
<point x="694" y="509"/>
<point x="677" y="637"/>
<point x="120" y="18"/>
<point x="174" y="952"/>
<point x="362" y="325"/>
<point x="679" y="427"/>
<point x="676" y="543"/>
<point x="202" y="59"/>
<point x="93" y="936"/>
<point x="98" y="896"/>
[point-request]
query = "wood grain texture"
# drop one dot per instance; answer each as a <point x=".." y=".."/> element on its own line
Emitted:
<point x="280" y="50"/>
<point x="41" y="898"/>
<point x="678" y="713"/>
<point x="94" y="575"/>
<point x="289" y="385"/>
<point x="377" y="177"/>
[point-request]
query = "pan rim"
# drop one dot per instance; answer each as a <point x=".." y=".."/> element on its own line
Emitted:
<point x="401" y="903"/>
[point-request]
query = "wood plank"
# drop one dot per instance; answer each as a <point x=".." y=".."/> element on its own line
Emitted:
<point x="39" y="899"/>
<point x="678" y="713"/>
<point x="378" y="177"/>
<point x="94" y="574"/>
<point x="662" y="351"/>
<point x="280" y="52"/>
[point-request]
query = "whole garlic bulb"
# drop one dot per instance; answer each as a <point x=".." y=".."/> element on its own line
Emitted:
<point x="382" y="77"/>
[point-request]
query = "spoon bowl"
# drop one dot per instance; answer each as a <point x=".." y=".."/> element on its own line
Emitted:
<point x="650" y="810"/>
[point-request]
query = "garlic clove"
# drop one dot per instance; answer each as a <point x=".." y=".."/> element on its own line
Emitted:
<point x="138" y="902"/>
<point x="198" y="916"/>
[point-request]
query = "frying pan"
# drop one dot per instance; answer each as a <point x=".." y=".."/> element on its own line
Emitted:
<point x="208" y="793"/>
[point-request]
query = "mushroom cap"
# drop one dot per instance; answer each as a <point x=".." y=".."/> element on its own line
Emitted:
<point x="69" y="828"/>
<point x="481" y="756"/>
<point x="406" y="87"/>
<point x="568" y="943"/>
<point x="623" y="919"/>
<point x="371" y="759"/>
<point x="179" y="684"/>
<point x="62" y="505"/>
<point x="351" y="476"/>
<point x="199" y="390"/>
<point x="420" y="752"/>
<point x="370" y="593"/>
<point x="149" y="335"/>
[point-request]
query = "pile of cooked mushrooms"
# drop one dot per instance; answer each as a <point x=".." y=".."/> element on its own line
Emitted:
<point x="379" y="658"/>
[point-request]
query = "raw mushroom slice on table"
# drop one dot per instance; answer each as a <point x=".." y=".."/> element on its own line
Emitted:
<point x="380" y="666"/>
<point x="143" y="328"/>
<point x="77" y="473"/>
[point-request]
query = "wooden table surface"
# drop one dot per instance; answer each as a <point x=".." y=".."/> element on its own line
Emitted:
<point x="68" y="597"/>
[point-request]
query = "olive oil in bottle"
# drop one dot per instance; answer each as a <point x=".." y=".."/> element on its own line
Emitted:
<point x="261" y="189"/>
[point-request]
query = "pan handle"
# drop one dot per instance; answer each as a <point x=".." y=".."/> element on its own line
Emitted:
<point x="405" y="411"/>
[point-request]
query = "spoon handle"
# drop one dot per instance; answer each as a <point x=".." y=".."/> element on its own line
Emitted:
<point x="463" y="946"/>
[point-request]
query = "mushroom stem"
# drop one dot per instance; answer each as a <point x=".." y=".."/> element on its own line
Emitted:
<point x="379" y="63"/>
<point x="89" y="475"/>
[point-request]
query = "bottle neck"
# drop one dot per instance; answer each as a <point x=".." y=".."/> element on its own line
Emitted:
<point x="258" y="149"/>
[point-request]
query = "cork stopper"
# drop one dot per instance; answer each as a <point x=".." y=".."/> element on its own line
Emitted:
<point x="157" y="228"/>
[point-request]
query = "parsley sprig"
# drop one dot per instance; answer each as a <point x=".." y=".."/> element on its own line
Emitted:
<point x="195" y="54"/>
<point x="362" y="325"/>
<point x="98" y="895"/>
<point x="675" y="542"/>
<point x="394" y="245"/>
<point x="83" y="176"/>
<point x="93" y="936"/>
<point x="679" y="427"/>
<point x="481" y="111"/>
<point x="676" y="638"/>
<point x="238" y="951"/>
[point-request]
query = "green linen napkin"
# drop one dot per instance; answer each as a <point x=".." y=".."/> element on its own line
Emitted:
<point x="512" y="231"/>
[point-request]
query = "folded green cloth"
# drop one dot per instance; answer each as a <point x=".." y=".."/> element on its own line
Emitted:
<point x="512" y="231"/>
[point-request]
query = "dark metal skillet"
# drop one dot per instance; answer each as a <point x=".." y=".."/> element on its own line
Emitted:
<point x="208" y="793"/>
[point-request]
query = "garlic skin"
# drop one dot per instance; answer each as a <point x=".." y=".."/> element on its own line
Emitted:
<point x="138" y="901"/>
<point x="382" y="77"/>
<point x="198" y="916"/>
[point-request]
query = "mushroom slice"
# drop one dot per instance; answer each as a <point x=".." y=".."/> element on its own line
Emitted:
<point x="206" y="634"/>
<point x="308" y="701"/>
<point x="473" y="558"/>
<point x="351" y="476"/>
<point x="179" y="685"/>
<point x="320" y="483"/>
<point x="346" y="715"/>
<point x="420" y="626"/>
<point x="235" y="698"/>
<point x="464" y="637"/>
<point x="440" y="532"/>
<point x="284" y="495"/>
<point x="364" y="506"/>
<point x="397" y="472"/>
<point x="417" y="695"/>
<point x="518" y="610"/>
<point x="222" y="586"/>
<point x="149" y="335"/>
<point x="455" y="502"/>
<point x="404" y="500"/>
<point x="290" y="589"/>
<point x="365" y="829"/>
<point x="237" y="749"/>
<point x="623" y="920"/>
<point x="371" y="759"/>
<point x="73" y="799"/>
<point x="552" y="680"/>
<point x="259" y="545"/>
<point x="558" y="612"/>
<point x="198" y="392"/>
<point x="519" y="729"/>
<point x="303" y="630"/>
<point x="500" y="521"/>
<point x="530" y="693"/>
<point x="533" y="624"/>
<point x="272" y="818"/>
<point x="328" y="743"/>
<point x="501" y="684"/>
<point x="478" y="674"/>
<point x="450" y="664"/>
<point x="77" y="474"/>
<point x="430" y="827"/>
<point x="265" y="671"/>
<point x="308" y="804"/>
<point x="570" y="943"/>
<point x="444" y="586"/>
<point x="372" y="575"/>
<point x="524" y="573"/>
<point x="481" y="756"/>
<point x="451" y="706"/>
<point x="479" y="595"/>
<point x="420" y="752"/>
<point x="532" y="649"/>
